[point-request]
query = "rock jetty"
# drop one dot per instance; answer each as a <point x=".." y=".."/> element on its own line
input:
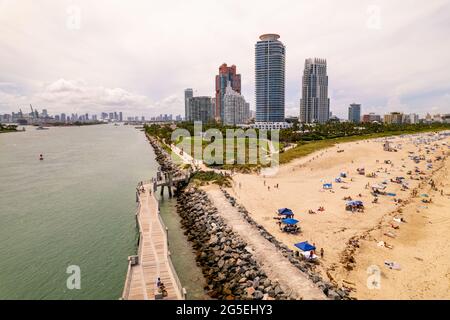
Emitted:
<point x="229" y="268"/>
<point x="330" y="290"/>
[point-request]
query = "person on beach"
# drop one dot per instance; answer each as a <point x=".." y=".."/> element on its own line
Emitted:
<point x="321" y="252"/>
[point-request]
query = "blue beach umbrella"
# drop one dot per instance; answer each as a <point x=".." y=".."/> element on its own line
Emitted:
<point x="305" y="246"/>
<point x="285" y="211"/>
<point x="290" y="221"/>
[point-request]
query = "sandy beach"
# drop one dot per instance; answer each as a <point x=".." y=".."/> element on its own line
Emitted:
<point x="352" y="241"/>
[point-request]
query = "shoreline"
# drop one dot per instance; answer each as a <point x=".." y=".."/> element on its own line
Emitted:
<point x="203" y="223"/>
<point x="333" y="228"/>
<point x="230" y="270"/>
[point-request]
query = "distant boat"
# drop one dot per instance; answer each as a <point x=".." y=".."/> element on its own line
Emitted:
<point x="41" y="157"/>
<point x="41" y="128"/>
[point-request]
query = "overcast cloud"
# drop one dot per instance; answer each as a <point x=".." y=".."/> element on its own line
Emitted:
<point x="138" y="56"/>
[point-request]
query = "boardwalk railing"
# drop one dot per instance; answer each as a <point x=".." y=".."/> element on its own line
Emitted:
<point x="132" y="259"/>
<point x="169" y="258"/>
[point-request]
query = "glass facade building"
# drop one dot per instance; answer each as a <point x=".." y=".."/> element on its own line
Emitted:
<point x="354" y="113"/>
<point x="200" y="109"/>
<point x="270" y="78"/>
<point x="188" y="93"/>
<point x="315" y="104"/>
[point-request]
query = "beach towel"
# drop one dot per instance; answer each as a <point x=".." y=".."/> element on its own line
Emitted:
<point x="392" y="265"/>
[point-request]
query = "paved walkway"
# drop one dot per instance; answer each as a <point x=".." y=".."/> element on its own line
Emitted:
<point x="275" y="265"/>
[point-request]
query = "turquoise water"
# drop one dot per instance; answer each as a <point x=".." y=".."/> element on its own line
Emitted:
<point x="74" y="208"/>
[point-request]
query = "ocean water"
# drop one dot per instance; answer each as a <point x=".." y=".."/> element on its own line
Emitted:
<point x="74" y="208"/>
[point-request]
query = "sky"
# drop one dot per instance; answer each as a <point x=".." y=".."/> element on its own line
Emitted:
<point x="138" y="56"/>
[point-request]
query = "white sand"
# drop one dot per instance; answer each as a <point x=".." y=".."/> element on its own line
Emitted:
<point x="300" y="188"/>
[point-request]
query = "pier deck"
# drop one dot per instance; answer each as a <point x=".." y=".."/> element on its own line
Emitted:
<point x="153" y="256"/>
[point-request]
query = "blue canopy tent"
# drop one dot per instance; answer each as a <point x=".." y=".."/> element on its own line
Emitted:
<point x="327" y="186"/>
<point x="289" y="221"/>
<point x="391" y="194"/>
<point x="285" y="211"/>
<point x="305" y="246"/>
<point x="355" y="203"/>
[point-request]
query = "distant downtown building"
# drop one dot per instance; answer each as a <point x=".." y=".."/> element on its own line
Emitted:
<point x="226" y="75"/>
<point x="200" y="109"/>
<point x="315" y="104"/>
<point x="371" y="117"/>
<point x="354" y="113"/>
<point x="188" y="93"/>
<point x="393" y="118"/>
<point x="270" y="79"/>
<point x="235" y="109"/>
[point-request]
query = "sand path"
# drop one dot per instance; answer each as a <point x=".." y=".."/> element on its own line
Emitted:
<point x="275" y="265"/>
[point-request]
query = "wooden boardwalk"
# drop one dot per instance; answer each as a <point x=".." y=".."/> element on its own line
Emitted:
<point x="153" y="258"/>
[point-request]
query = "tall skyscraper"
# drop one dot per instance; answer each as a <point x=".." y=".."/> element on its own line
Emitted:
<point x="200" y="109"/>
<point x="188" y="93"/>
<point x="270" y="78"/>
<point x="354" y="113"/>
<point x="235" y="109"/>
<point x="226" y="75"/>
<point x="120" y="116"/>
<point x="315" y="104"/>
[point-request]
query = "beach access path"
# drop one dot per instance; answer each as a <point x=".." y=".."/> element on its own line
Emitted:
<point x="273" y="263"/>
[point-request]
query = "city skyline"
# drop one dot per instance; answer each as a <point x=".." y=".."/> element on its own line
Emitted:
<point x="56" y="61"/>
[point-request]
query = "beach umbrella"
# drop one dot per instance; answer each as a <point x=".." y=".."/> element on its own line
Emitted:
<point x="290" y="221"/>
<point x="285" y="211"/>
<point x="305" y="246"/>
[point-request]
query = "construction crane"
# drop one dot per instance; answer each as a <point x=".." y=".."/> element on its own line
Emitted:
<point x="34" y="113"/>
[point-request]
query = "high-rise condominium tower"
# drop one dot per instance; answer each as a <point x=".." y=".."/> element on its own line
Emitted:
<point x="226" y="75"/>
<point x="200" y="109"/>
<point x="270" y="78"/>
<point x="354" y="113"/>
<point x="188" y="93"/>
<point x="235" y="109"/>
<point x="315" y="104"/>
